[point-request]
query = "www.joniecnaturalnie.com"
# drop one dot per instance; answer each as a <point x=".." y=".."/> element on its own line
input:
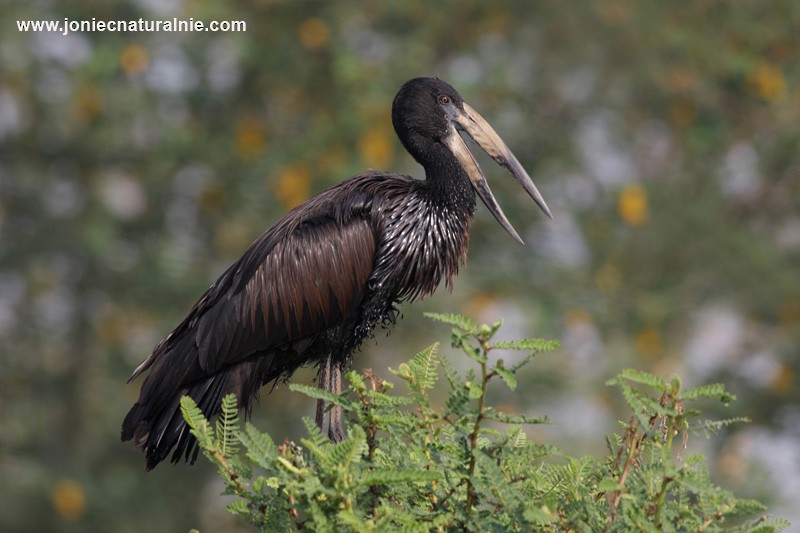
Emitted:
<point x="67" y="25"/>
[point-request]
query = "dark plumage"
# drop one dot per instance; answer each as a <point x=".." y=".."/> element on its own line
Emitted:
<point x="312" y="287"/>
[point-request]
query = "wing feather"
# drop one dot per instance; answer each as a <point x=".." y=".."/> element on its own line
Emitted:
<point x="307" y="281"/>
<point x="299" y="277"/>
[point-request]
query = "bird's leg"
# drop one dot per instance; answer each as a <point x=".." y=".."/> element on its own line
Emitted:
<point x="329" y="419"/>
<point x="323" y="381"/>
<point x="336" y="422"/>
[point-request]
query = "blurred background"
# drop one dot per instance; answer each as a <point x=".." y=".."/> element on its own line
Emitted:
<point x="134" y="167"/>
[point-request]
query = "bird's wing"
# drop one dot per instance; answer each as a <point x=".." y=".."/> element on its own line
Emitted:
<point x="298" y="278"/>
<point x="285" y="290"/>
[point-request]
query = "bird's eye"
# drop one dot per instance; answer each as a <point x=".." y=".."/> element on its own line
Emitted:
<point x="444" y="99"/>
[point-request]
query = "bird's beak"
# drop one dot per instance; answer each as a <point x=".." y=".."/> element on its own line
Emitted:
<point x="482" y="133"/>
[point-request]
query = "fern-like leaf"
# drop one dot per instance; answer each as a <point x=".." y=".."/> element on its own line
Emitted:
<point x="533" y="345"/>
<point x="351" y="449"/>
<point x="641" y="405"/>
<point x="508" y="376"/>
<point x="640" y="377"/>
<point x="465" y="324"/>
<point x="714" y="391"/>
<point x="507" y="418"/>
<point x="227" y="426"/>
<point x="380" y="399"/>
<point x="453" y="377"/>
<point x="261" y="449"/>
<point x="316" y="436"/>
<point x="495" y="482"/>
<point x="766" y="524"/>
<point x="424" y="366"/>
<point x="319" y="394"/>
<point x="458" y="401"/>
<point x="198" y="424"/>
<point x="712" y="427"/>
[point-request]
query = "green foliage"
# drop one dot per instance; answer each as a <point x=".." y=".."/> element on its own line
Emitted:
<point x="411" y="463"/>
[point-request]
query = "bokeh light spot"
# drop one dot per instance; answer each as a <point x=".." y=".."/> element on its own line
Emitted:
<point x="86" y="104"/>
<point x="293" y="185"/>
<point x="632" y="205"/>
<point x="314" y="33"/>
<point x="134" y="59"/>
<point x="69" y="499"/>
<point x="251" y="137"/>
<point x="768" y="82"/>
<point x="783" y="380"/>
<point x="375" y="148"/>
<point x="649" y="343"/>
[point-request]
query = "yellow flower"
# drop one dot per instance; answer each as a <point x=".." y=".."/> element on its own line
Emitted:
<point x="782" y="381"/>
<point x="250" y="137"/>
<point x="314" y="33"/>
<point x="134" y="59"/>
<point x="768" y="82"/>
<point x="86" y="104"/>
<point x="649" y="343"/>
<point x="632" y="205"/>
<point x="375" y="148"/>
<point x="293" y="185"/>
<point x="69" y="499"/>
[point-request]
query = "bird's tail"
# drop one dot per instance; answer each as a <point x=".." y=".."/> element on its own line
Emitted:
<point x="157" y="429"/>
<point x="156" y="424"/>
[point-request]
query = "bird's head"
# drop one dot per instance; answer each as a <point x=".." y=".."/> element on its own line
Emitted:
<point x="428" y="111"/>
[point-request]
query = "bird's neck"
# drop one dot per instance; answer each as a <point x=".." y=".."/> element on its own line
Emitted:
<point x="448" y="184"/>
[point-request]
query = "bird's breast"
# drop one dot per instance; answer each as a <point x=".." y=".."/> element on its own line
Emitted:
<point x="421" y="243"/>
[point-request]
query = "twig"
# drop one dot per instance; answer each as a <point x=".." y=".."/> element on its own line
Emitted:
<point x="616" y="496"/>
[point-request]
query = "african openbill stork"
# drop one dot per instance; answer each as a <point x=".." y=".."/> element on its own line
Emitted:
<point x="313" y="286"/>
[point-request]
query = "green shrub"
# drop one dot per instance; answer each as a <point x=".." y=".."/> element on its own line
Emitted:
<point x="411" y="464"/>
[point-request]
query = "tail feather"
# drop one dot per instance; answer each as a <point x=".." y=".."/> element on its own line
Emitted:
<point x="156" y="430"/>
<point x="158" y="427"/>
<point x="208" y="397"/>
